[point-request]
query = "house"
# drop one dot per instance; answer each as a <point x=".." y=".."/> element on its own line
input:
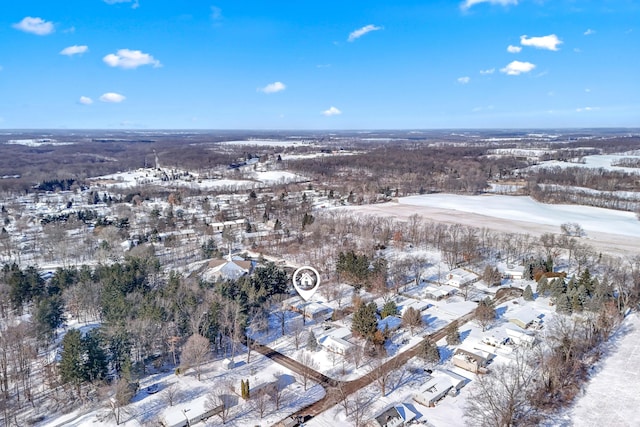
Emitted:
<point x="520" y="337"/>
<point x="227" y="268"/>
<point x="459" y="278"/>
<point x="471" y="360"/>
<point x="525" y="317"/>
<point x="443" y="382"/>
<point x="514" y="272"/>
<point x="189" y="414"/>
<point x="317" y="311"/>
<point x="495" y="337"/>
<point x="336" y="345"/>
<point x="415" y="304"/>
<point x="395" y="416"/>
<point x="437" y="293"/>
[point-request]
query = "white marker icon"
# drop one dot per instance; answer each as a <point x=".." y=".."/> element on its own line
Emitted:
<point x="306" y="281"/>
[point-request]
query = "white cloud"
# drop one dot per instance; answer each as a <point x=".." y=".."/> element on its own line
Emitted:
<point x="513" y="49"/>
<point x="35" y="26"/>
<point x="135" y="4"/>
<point x="589" y="32"/>
<point x="488" y="71"/>
<point x="586" y="109"/>
<point x="549" y="42"/>
<point x="85" y="100"/>
<point x="216" y="13"/>
<point x="469" y="3"/>
<point x="464" y="80"/>
<point x="362" y="31"/>
<point x="112" y="97"/>
<point x="515" y="68"/>
<point x="74" y="50"/>
<point x="273" y="87"/>
<point x="126" y="58"/>
<point x="587" y="90"/>
<point x="332" y="111"/>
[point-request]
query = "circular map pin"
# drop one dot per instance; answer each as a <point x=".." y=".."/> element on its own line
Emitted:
<point x="306" y="281"/>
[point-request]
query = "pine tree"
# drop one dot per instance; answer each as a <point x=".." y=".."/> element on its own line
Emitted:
<point x="71" y="360"/>
<point x="247" y="388"/>
<point x="96" y="363"/>
<point x="429" y="352"/>
<point x="389" y="309"/>
<point x="453" y="335"/>
<point x="364" y="321"/>
<point x="528" y="293"/>
<point x="312" y="342"/>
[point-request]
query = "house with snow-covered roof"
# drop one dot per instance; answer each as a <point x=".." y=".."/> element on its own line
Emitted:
<point x="395" y="416"/>
<point x="459" y="278"/>
<point x="443" y="382"/>
<point x="227" y="268"/>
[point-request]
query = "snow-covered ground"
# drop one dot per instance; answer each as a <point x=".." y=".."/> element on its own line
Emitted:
<point x="612" y="396"/>
<point x="607" y="230"/>
<point x="603" y="161"/>
<point x="267" y="142"/>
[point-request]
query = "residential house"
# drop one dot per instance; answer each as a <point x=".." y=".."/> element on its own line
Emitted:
<point x="395" y="416"/>
<point x="227" y="268"/>
<point x="437" y="293"/>
<point x="442" y="382"/>
<point x="460" y="278"/>
<point x="525" y="317"/>
<point x="472" y="360"/>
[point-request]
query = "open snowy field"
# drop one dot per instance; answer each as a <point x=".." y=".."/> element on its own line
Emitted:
<point x="611" y="397"/>
<point x="603" y="161"/>
<point x="267" y="142"/>
<point x="607" y="230"/>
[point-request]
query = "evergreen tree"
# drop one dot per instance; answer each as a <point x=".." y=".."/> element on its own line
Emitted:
<point x="96" y="363"/>
<point x="71" y="360"/>
<point x="312" y="342"/>
<point x="429" y="352"/>
<point x="563" y="304"/>
<point x="389" y="309"/>
<point x="48" y="316"/>
<point x="247" y="388"/>
<point x="453" y="335"/>
<point x="528" y="293"/>
<point x="364" y="321"/>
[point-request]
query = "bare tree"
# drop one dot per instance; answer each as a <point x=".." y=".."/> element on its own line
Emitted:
<point x="195" y="352"/>
<point x="356" y="355"/>
<point x="308" y="369"/>
<point x="485" y="314"/>
<point x="220" y="400"/>
<point x="297" y="331"/>
<point x="382" y="373"/>
<point x="359" y="404"/>
<point x="277" y="390"/>
<point x="260" y="399"/>
<point x="412" y="319"/>
<point x="123" y="392"/>
<point x="171" y="394"/>
<point x="501" y="398"/>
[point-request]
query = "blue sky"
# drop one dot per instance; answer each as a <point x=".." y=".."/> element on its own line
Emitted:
<point x="144" y="64"/>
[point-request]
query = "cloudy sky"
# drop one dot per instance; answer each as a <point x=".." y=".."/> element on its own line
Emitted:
<point x="371" y="64"/>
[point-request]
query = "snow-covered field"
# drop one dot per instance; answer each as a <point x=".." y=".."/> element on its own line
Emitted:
<point x="607" y="230"/>
<point x="603" y="161"/>
<point x="267" y="142"/>
<point x="611" y="397"/>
